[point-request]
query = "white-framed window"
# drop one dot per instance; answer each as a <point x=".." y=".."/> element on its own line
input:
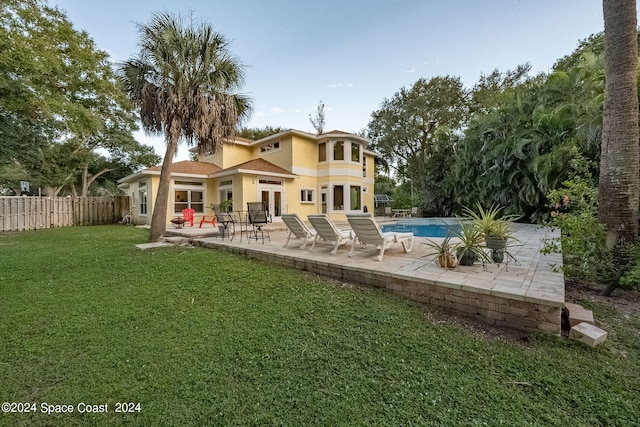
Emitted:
<point x="306" y="195"/>
<point x="355" y="152"/>
<point x="267" y="148"/>
<point x="355" y="198"/>
<point x="142" y="194"/>
<point x="364" y="166"/>
<point x="322" y="152"/>
<point x="269" y="181"/>
<point x="338" y="150"/>
<point x="188" y="194"/>
<point x="143" y="201"/>
<point x="338" y="197"/>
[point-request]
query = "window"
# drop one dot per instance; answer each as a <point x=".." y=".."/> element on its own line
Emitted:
<point x="355" y="152"/>
<point x="192" y="183"/>
<point x="306" y="195"/>
<point x="270" y="181"/>
<point x="188" y="199"/>
<point x="225" y="183"/>
<point x="338" y="150"/>
<point x="143" y="201"/>
<point x="322" y="152"/>
<point x="355" y="198"/>
<point x="270" y="147"/>
<point x="364" y="166"/>
<point x="338" y="198"/>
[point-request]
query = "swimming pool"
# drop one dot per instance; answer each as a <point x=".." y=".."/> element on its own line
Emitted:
<point x="426" y="227"/>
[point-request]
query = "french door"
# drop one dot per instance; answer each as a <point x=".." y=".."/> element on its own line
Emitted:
<point x="273" y="200"/>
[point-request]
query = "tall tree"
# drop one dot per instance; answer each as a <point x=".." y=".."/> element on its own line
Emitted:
<point x="318" y="121"/>
<point x="620" y="151"/>
<point x="60" y="102"/>
<point x="416" y="131"/>
<point x="184" y="81"/>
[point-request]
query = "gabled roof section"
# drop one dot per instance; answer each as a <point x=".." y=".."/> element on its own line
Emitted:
<point x="183" y="168"/>
<point x="256" y="166"/>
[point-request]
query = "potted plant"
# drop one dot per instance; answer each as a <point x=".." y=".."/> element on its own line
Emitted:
<point x="445" y="252"/>
<point x="470" y="247"/>
<point x="496" y="230"/>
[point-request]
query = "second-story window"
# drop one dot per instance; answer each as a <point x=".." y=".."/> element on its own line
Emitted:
<point x="274" y="146"/>
<point x="338" y="150"/>
<point x="322" y="152"/>
<point x="355" y="152"/>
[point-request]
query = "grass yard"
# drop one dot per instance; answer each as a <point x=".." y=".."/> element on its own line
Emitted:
<point x="201" y="337"/>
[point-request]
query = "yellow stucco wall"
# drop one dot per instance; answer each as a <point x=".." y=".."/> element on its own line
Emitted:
<point x="229" y="155"/>
<point x="298" y="154"/>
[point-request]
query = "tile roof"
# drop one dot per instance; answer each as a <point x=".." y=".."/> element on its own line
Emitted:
<point x="258" y="165"/>
<point x="190" y="167"/>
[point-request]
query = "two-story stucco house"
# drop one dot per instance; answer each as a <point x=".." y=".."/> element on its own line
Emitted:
<point x="292" y="172"/>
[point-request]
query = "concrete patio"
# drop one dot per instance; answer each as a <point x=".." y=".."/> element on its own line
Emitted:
<point x="525" y="295"/>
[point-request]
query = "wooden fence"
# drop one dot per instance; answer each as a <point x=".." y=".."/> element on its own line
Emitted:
<point x="30" y="213"/>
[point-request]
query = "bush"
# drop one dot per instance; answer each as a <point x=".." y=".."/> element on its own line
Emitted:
<point x="632" y="277"/>
<point x="585" y="254"/>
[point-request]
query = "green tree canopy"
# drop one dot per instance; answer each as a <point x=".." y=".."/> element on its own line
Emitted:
<point x="60" y="103"/>
<point x="415" y="132"/>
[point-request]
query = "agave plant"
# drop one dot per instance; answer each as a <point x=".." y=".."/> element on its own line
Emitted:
<point x="471" y="244"/>
<point x="490" y="223"/>
<point x="444" y="251"/>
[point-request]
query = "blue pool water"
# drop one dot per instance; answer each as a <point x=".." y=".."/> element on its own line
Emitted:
<point x="422" y="228"/>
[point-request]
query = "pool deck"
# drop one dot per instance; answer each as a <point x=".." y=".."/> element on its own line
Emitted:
<point x="525" y="294"/>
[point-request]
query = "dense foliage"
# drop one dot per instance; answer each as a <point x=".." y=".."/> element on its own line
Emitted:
<point x="508" y="140"/>
<point x="64" y="121"/>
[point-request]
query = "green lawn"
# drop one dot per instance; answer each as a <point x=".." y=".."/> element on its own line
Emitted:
<point x="201" y="337"/>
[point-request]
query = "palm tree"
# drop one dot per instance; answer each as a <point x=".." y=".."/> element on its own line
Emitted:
<point x="619" y="185"/>
<point x="185" y="82"/>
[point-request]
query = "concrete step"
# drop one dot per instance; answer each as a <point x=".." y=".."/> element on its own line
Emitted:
<point x="587" y="334"/>
<point x="578" y="314"/>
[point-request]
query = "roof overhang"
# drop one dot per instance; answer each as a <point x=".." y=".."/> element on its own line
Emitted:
<point x="231" y="172"/>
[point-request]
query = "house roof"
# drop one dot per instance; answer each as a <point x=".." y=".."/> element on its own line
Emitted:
<point x="182" y="168"/>
<point x="189" y="167"/>
<point x="260" y="166"/>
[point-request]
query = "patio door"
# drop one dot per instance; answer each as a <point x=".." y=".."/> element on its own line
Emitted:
<point x="273" y="201"/>
<point x="323" y="200"/>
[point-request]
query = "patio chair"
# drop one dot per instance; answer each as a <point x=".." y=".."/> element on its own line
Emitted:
<point x="369" y="232"/>
<point x="297" y="229"/>
<point x="226" y="220"/>
<point x="258" y="218"/>
<point x="188" y="214"/>
<point x="387" y="211"/>
<point x="414" y="212"/>
<point x="327" y="231"/>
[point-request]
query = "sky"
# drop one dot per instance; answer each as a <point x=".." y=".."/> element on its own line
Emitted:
<point x="351" y="54"/>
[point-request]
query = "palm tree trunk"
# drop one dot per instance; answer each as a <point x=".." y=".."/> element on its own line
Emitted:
<point x="619" y="185"/>
<point x="159" y="218"/>
<point x="620" y="150"/>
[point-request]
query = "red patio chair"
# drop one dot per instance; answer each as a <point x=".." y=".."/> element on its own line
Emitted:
<point x="187" y="214"/>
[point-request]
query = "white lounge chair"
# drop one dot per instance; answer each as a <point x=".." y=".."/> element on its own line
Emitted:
<point x="369" y="232"/>
<point x="297" y="229"/>
<point x="327" y="230"/>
